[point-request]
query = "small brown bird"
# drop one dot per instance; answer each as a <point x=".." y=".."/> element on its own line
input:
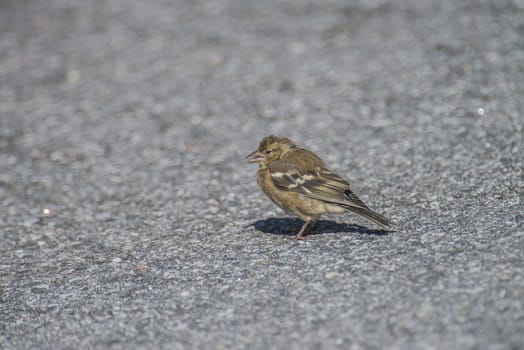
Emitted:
<point x="298" y="181"/>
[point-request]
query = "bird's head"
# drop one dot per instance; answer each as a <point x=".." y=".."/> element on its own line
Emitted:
<point x="271" y="148"/>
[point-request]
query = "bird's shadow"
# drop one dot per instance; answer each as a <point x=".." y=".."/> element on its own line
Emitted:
<point x="290" y="226"/>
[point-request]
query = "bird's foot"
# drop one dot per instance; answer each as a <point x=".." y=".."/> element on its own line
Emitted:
<point x="301" y="235"/>
<point x="299" y="238"/>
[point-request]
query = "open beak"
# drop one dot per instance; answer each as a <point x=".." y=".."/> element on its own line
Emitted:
<point x="255" y="157"/>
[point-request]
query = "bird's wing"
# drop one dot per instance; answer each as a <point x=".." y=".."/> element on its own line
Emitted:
<point x="318" y="183"/>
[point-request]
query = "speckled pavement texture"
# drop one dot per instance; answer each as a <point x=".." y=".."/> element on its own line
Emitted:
<point x="130" y="220"/>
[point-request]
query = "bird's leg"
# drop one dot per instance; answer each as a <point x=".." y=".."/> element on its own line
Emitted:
<point x="303" y="231"/>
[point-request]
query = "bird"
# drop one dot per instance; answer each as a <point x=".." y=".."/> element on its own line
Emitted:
<point x="300" y="183"/>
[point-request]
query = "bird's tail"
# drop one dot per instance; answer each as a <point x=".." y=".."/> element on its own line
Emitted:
<point x="370" y="215"/>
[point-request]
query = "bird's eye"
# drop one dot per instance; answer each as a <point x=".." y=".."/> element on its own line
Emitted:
<point x="268" y="151"/>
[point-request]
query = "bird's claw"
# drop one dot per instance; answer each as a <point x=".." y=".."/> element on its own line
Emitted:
<point x="299" y="238"/>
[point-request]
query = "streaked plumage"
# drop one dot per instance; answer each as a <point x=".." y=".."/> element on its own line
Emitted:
<point x="299" y="182"/>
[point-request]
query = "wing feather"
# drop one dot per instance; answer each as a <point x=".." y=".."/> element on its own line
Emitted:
<point x="318" y="183"/>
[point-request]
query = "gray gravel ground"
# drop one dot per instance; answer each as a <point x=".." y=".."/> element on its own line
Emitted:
<point x="129" y="218"/>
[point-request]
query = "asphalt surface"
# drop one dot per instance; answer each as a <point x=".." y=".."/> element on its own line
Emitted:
<point x="130" y="220"/>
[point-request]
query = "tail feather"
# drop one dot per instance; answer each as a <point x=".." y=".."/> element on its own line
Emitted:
<point x="372" y="216"/>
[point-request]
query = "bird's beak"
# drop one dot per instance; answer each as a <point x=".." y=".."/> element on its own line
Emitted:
<point x="255" y="157"/>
